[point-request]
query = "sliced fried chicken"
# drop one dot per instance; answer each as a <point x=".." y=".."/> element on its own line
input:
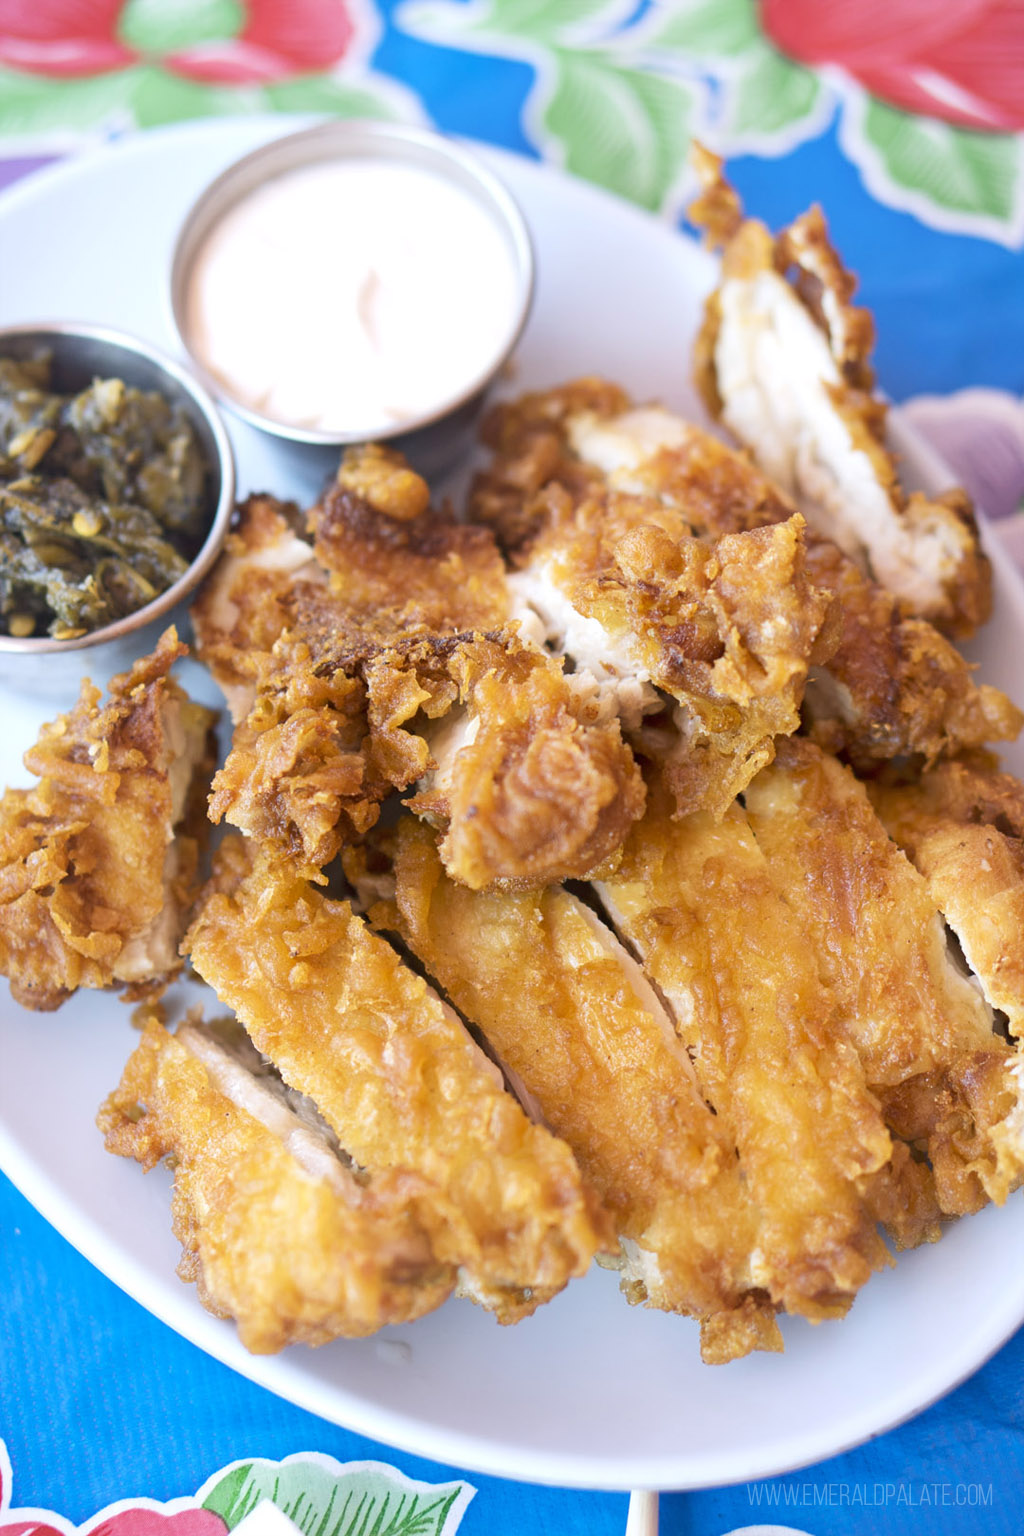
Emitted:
<point x="726" y="632"/>
<point x="923" y="1031"/>
<point x="962" y="826"/>
<point x="98" y="862"/>
<point x="782" y="361"/>
<point x="695" y="901"/>
<point x="399" y="1080"/>
<point x="893" y="685"/>
<point x="617" y="581"/>
<point x="585" y="1040"/>
<point x="239" y="611"/>
<point x="278" y="1229"/>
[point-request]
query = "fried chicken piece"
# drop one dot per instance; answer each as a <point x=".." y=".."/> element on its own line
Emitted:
<point x="618" y="582"/>
<point x="782" y="361"/>
<point x="921" y="1028"/>
<point x="98" y="862"/>
<point x="509" y="764"/>
<point x="300" y="775"/>
<point x="695" y="901"/>
<point x="277" y="1228"/>
<point x="893" y="686"/>
<point x="239" y="611"/>
<point x="400" y="566"/>
<point x="584" y="1039"/>
<point x="526" y="785"/>
<point x="962" y="826"/>
<point x="340" y="686"/>
<point x="727" y="631"/>
<point x="398" y="1079"/>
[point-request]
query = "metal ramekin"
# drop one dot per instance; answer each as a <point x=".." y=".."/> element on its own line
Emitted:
<point x="431" y="441"/>
<point x="80" y="354"/>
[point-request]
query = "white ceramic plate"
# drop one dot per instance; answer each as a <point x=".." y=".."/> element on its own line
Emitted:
<point x="589" y="1392"/>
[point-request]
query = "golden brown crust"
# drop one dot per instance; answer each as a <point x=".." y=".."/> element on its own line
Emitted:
<point x="962" y="825"/>
<point x="893" y="686"/>
<point x="923" y="1033"/>
<point x="530" y="451"/>
<point x="608" y="1075"/>
<point x="695" y="900"/>
<point x="293" y="1255"/>
<point x="716" y="210"/>
<point x="399" y="1080"/>
<point x="404" y="575"/>
<point x="239" y="611"/>
<point x="925" y="549"/>
<point x="298" y="776"/>
<point x="540" y="792"/>
<point x="621" y="583"/>
<point x="85" y="877"/>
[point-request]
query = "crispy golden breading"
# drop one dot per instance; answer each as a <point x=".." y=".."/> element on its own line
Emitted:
<point x="726" y="631"/>
<point x="276" y="1229"/>
<point x="530" y="452"/>
<point x="782" y="360"/>
<point x="618" y="581"/>
<point x="239" y="611"/>
<point x="588" y="1042"/>
<point x="345" y="684"/>
<point x="695" y="901"/>
<point x="962" y="825"/>
<point x="299" y="775"/>
<point x="922" y="1030"/>
<point x="98" y="862"/>
<point x="400" y="566"/>
<point x="893" y="685"/>
<point x="398" y="1078"/>
<point x="526" y="787"/>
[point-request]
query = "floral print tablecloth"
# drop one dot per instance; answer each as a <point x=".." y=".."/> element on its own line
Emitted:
<point x="905" y="118"/>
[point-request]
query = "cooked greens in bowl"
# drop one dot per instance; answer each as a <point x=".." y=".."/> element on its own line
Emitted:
<point x="116" y="487"/>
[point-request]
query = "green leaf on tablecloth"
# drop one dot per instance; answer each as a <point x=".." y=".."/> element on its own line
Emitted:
<point x="328" y="94"/>
<point x="30" y="104"/>
<point x="160" y="97"/>
<point x="626" y="129"/>
<point x="321" y="1502"/>
<point x="958" y="169"/>
<point x="154" y="27"/>
<point x="543" y="20"/>
<point x="770" y="93"/>
<point x="707" y="28"/>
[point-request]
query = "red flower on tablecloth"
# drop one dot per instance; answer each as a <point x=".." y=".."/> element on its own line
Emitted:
<point x="961" y="60"/>
<point x="150" y="1522"/>
<point x="270" y="40"/>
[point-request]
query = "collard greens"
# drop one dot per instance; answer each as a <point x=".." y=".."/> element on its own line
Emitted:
<point x="102" y="501"/>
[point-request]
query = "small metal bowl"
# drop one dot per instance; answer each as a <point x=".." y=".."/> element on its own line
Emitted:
<point x="433" y="440"/>
<point x="80" y="354"/>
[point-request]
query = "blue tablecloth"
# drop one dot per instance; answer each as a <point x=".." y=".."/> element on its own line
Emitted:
<point x="910" y="137"/>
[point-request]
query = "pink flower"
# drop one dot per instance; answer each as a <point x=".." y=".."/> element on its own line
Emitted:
<point x="278" y="39"/>
<point x="151" y="1522"/>
<point x="28" y="1528"/>
<point x="62" y="37"/>
<point x="962" y="60"/>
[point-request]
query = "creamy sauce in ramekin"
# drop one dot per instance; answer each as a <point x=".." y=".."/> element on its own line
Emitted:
<point x="352" y="295"/>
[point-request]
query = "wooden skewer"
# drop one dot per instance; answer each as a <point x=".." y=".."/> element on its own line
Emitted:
<point x="642" y="1519"/>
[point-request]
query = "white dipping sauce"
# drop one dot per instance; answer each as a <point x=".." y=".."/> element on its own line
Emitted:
<point x="351" y="296"/>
